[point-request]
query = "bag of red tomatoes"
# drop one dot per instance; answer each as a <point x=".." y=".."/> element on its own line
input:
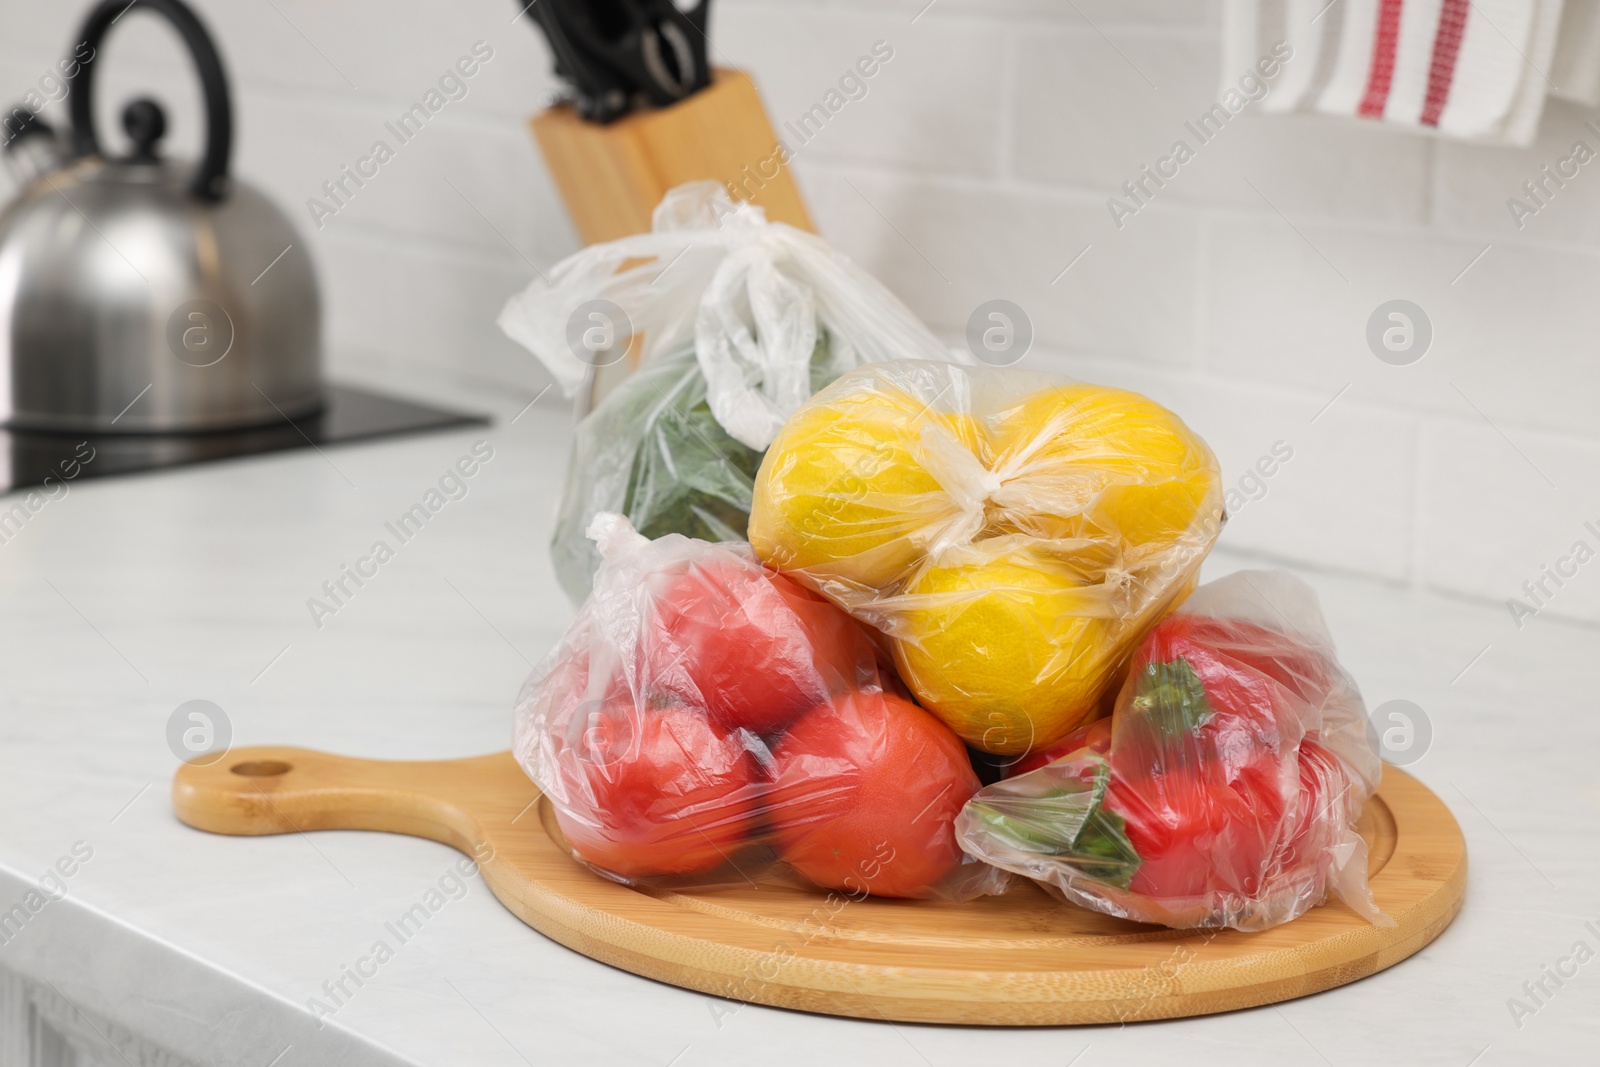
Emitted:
<point x="1225" y="788"/>
<point x="707" y="721"/>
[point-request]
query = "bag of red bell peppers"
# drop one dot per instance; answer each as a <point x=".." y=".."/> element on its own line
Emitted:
<point x="1225" y="787"/>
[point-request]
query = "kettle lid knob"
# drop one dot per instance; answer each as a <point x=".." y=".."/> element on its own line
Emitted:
<point x="145" y="122"/>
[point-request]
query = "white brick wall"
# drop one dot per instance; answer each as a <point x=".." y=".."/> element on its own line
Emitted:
<point x="978" y="166"/>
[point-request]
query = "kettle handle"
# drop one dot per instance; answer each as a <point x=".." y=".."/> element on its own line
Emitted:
<point x="211" y="179"/>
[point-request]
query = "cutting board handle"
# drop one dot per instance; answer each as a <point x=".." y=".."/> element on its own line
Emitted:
<point x="275" y="790"/>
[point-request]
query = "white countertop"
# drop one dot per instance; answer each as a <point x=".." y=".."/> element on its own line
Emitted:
<point x="134" y="594"/>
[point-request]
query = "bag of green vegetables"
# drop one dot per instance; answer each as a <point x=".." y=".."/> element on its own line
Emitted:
<point x="735" y="322"/>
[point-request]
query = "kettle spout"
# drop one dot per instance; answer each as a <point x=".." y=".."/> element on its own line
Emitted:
<point x="30" y="145"/>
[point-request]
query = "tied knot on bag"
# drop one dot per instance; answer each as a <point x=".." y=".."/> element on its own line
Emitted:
<point x="977" y="492"/>
<point x="716" y="276"/>
<point x="1120" y="584"/>
<point x="614" y="535"/>
<point x="970" y="485"/>
<point x="751" y="298"/>
<point x="754" y="335"/>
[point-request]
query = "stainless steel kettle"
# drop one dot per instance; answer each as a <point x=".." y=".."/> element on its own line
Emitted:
<point x="142" y="295"/>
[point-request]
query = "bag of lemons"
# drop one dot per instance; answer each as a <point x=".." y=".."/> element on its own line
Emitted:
<point x="1012" y="536"/>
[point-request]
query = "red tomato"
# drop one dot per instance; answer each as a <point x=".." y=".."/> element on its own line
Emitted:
<point x="655" y="791"/>
<point x="864" y="791"/>
<point x="754" y="648"/>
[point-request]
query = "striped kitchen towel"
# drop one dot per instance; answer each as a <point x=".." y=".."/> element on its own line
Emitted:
<point x="1477" y="70"/>
<point x="1577" y="64"/>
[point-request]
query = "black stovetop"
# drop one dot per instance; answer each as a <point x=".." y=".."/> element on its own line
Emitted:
<point x="28" y="458"/>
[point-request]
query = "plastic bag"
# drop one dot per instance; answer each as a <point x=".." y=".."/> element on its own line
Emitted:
<point x="652" y="451"/>
<point x="1013" y="536"/>
<point x="707" y="721"/>
<point x="740" y="321"/>
<point x="1223" y="791"/>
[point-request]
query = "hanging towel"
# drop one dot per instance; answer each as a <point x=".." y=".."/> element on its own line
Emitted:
<point x="1474" y="70"/>
<point x="1577" y="62"/>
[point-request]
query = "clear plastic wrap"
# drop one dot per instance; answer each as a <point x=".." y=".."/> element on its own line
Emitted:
<point x="1012" y="535"/>
<point x="738" y="321"/>
<point x="708" y="721"/>
<point x="1225" y="788"/>
<point x="652" y="451"/>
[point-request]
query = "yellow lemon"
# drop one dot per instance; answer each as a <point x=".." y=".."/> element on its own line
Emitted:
<point x="1004" y="650"/>
<point x="845" y="491"/>
<point x="1084" y="460"/>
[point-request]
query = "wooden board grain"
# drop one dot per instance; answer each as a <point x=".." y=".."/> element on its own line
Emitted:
<point x="1021" y="959"/>
<point x="612" y="177"/>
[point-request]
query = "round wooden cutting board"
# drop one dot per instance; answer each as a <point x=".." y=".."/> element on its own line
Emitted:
<point x="1022" y="959"/>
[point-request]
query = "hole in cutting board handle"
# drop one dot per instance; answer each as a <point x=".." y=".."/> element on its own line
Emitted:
<point x="261" y="768"/>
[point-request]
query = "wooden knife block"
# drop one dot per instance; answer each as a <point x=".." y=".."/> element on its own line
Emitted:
<point x="612" y="177"/>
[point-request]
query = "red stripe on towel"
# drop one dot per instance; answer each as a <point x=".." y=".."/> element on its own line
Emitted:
<point x="1446" y="47"/>
<point x="1383" y="50"/>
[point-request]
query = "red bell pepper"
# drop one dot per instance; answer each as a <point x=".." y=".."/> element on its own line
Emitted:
<point x="1205" y="800"/>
